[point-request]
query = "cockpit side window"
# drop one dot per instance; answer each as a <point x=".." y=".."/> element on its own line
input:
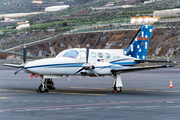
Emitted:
<point x="71" y="54"/>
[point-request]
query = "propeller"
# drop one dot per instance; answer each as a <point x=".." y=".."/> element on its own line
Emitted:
<point x="87" y="65"/>
<point x="24" y="60"/>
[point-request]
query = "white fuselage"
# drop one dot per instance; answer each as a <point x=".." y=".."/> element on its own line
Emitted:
<point x="68" y="62"/>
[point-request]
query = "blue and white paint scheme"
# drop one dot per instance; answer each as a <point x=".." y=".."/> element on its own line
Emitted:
<point x="138" y="48"/>
<point x="93" y="62"/>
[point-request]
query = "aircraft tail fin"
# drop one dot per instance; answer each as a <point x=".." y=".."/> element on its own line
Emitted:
<point x="138" y="47"/>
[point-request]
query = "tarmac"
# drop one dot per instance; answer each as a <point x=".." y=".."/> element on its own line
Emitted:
<point x="146" y="95"/>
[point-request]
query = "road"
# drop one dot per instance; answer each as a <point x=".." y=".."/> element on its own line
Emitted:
<point x="146" y="95"/>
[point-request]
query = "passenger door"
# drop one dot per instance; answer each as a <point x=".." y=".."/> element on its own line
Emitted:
<point x="82" y="55"/>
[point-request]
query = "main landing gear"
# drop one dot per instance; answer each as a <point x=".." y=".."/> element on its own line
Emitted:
<point x="117" y="84"/>
<point x="46" y="85"/>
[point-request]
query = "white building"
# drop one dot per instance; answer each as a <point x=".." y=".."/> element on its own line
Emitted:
<point x="56" y="8"/>
<point x="166" y="13"/>
<point x="150" y="1"/>
<point x="110" y="4"/>
<point x="38" y="2"/>
<point x="19" y="27"/>
<point x="144" y="20"/>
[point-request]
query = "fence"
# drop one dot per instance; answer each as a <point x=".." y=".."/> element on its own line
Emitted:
<point x="17" y="53"/>
<point x="7" y="45"/>
<point x="104" y="28"/>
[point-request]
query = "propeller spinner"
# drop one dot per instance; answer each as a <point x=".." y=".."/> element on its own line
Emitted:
<point x="87" y="66"/>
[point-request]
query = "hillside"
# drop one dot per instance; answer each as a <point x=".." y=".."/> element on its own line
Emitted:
<point x="164" y="42"/>
<point x="79" y="15"/>
<point x="82" y="11"/>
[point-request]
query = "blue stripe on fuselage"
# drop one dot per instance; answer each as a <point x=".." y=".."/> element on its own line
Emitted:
<point x="59" y="65"/>
<point x="125" y="63"/>
<point x="80" y="65"/>
<point x="110" y="66"/>
<point x="120" y="60"/>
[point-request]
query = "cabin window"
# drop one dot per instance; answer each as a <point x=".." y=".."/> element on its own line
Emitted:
<point x="113" y="55"/>
<point x="100" y="55"/>
<point x="107" y="55"/>
<point x="71" y="54"/>
<point x="93" y="54"/>
<point x="118" y="56"/>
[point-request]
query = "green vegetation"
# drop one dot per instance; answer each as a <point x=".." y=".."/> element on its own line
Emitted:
<point x="61" y="24"/>
<point x="178" y="16"/>
<point x="79" y="14"/>
<point x="21" y="6"/>
<point x="17" y="7"/>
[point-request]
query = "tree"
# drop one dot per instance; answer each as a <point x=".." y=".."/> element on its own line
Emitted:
<point x="31" y="22"/>
<point x="64" y="24"/>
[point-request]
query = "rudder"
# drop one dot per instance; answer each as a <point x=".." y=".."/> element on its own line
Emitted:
<point x="139" y="45"/>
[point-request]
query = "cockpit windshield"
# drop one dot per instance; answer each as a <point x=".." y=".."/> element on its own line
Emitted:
<point x="71" y="54"/>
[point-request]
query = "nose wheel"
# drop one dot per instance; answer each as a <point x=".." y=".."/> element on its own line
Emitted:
<point x="42" y="88"/>
<point x="46" y="85"/>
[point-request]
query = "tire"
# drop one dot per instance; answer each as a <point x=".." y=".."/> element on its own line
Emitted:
<point x="41" y="89"/>
<point x="118" y="89"/>
<point x="51" y="85"/>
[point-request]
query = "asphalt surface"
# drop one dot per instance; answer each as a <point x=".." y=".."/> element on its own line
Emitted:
<point x="146" y="96"/>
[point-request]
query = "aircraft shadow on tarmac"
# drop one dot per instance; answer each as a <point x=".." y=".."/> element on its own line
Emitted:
<point x="101" y="92"/>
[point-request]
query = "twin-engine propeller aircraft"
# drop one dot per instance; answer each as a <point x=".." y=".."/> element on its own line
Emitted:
<point x="92" y="62"/>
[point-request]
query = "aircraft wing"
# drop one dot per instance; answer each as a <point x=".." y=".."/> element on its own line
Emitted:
<point x="133" y="69"/>
<point x="12" y="65"/>
<point x="149" y="60"/>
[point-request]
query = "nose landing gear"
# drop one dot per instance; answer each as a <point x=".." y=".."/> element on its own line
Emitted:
<point x="46" y="85"/>
<point x="49" y="83"/>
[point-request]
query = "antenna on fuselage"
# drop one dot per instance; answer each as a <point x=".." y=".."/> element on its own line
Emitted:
<point x="24" y="54"/>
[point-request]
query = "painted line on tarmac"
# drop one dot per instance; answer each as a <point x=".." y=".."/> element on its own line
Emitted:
<point x="83" y="94"/>
<point x="4" y="98"/>
<point x="15" y="90"/>
<point x="46" y="101"/>
<point x="144" y="90"/>
<point x="71" y="93"/>
<point x="90" y="88"/>
<point x="59" y="109"/>
<point x="93" y="105"/>
<point x="135" y="89"/>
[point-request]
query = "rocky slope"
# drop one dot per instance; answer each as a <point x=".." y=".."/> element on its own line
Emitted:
<point x="164" y="42"/>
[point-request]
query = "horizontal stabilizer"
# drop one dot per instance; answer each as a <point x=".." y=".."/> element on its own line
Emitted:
<point x="149" y="60"/>
<point x="12" y="65"/>
<point x="134" y="69"/>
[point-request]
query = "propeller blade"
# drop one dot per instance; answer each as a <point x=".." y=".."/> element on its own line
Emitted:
<point x="97" y="40"/>
<point x="17" y="71"/>
<point x="79" y="71"/>
<point x="87" y="53"/>
<point x="94" y="72"/>
<point x="24" y="54"/>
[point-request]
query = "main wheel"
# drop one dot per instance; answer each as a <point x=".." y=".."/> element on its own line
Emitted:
<point x="42" y="89"/>
<point x="117" y="89"/>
